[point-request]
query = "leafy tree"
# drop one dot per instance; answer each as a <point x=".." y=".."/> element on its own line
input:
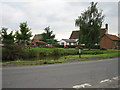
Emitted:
<point x="7" y="38"/>
<point x="24" y="34"/>
<point x="48" y="36"/>
<point x="90" y="23"/>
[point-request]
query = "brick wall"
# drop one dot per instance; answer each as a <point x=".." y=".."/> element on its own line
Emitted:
<point x="107" y="42"/>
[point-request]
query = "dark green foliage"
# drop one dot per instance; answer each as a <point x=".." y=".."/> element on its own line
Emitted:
<point x="90" y="23"/>
<point x="56" y="52"/>
<point x="59" y="46"/>
<point x="12" y="52"/>
<point x="30" y="53"/>
<point x="74" y="46"/>
<point x="48" y="36"/>
<point x="7" y="38"/>
<point x="93" y="47"/>
<point x="24" y="34"/>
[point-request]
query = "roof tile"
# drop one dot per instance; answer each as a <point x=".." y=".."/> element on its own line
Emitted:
<point x="113" y="37"/>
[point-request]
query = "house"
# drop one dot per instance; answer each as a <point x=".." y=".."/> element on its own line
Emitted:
<point x="68" y="42"/>
<point x="75" y="34"/>
<point x="36" y="43"/>
<point x="74" y="37"/>
<point x="109" y="41"/>
<point x="37" y="37"/>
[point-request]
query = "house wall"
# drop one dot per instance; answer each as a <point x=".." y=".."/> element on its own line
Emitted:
<point x="65" y="43"/>
<point x="107" y="42"/>
<point x="62" y="42"/>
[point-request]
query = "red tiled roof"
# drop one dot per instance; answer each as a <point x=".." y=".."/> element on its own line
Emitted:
<point x="41" y="41"/>
<point x="36" y="41"/>
<point x="113" y="37"/>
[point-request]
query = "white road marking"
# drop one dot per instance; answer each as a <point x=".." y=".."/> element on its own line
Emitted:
<point x="115" y="78"/>
<point x="81" y="86"/>
<point x="106" y="80"/>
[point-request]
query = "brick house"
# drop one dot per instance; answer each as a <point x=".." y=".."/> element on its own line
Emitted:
<point x="75" y="34"/>
<point x="36" y="43"/>
<point x="109" y="41"/>
<point x="74" y="37"/>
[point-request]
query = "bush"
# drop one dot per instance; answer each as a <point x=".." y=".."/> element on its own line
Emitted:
<point x="59" y="46"/>
<point x="12" y="52"/>
<point x="72" y="46"/>
<point x="30" y="53"/>
<point x="56" y="52"/>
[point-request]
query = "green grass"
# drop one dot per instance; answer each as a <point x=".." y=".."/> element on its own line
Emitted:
<point x="72" y="55"/>
<point x="106" y="54"/>
<point x="49" y="51"/>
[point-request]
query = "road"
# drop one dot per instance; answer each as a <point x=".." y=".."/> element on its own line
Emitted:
<point x="66" y="75"/>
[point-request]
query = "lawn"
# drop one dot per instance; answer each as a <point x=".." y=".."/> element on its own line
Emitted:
<point x="62" y="51"/>
<point x="106" y="54"/>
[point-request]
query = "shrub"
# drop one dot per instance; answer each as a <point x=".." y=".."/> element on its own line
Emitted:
<point x="12" y="52"/>
<point x="30" y="53"/>
<point x="56" y="52"/>
<point x="59" y="46"/>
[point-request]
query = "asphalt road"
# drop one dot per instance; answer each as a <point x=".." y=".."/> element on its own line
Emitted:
<point x="64" y="75"/>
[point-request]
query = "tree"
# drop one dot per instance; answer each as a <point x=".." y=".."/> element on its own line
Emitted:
<point x="90" y="23"/>
<point x="24" y="34"/>
<point x="7" y="38"/>
<point x="48" y="36"/>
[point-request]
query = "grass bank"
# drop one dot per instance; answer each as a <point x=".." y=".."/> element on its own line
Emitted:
<point x="71" y="56"/>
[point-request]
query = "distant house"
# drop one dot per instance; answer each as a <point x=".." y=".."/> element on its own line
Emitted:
<point x="75" y="34"/>
<point x="109" y="41"/>
<point x="36" y="43"/>
<point x="68" y="42"/>
<point x="74" y="37"/>
<point x="37" y="37"/>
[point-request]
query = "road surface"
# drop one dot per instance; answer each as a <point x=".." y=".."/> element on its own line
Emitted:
<point x="66" y="75"/>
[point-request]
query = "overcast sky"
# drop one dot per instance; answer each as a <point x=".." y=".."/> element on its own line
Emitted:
<point x="60" y="15"/>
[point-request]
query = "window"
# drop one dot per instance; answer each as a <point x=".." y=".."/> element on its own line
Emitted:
<point x="62" y="43"/>
<point x="115" y="44"/>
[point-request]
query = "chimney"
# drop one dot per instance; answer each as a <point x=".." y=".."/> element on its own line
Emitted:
<point x="106" y="27"/>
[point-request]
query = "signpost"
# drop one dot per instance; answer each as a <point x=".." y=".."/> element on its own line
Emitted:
<point x="80" y="48"/>
<point x="79" y="52"/>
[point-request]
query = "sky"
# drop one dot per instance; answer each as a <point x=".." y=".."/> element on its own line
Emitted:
<point x="60" y="15"/>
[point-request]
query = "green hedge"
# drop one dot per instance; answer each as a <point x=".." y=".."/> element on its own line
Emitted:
<point x="74" y="46"/>
<point x="15" y="52"/>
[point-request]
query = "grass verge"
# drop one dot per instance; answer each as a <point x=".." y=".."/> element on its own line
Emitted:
<point x="90" y="55"/>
